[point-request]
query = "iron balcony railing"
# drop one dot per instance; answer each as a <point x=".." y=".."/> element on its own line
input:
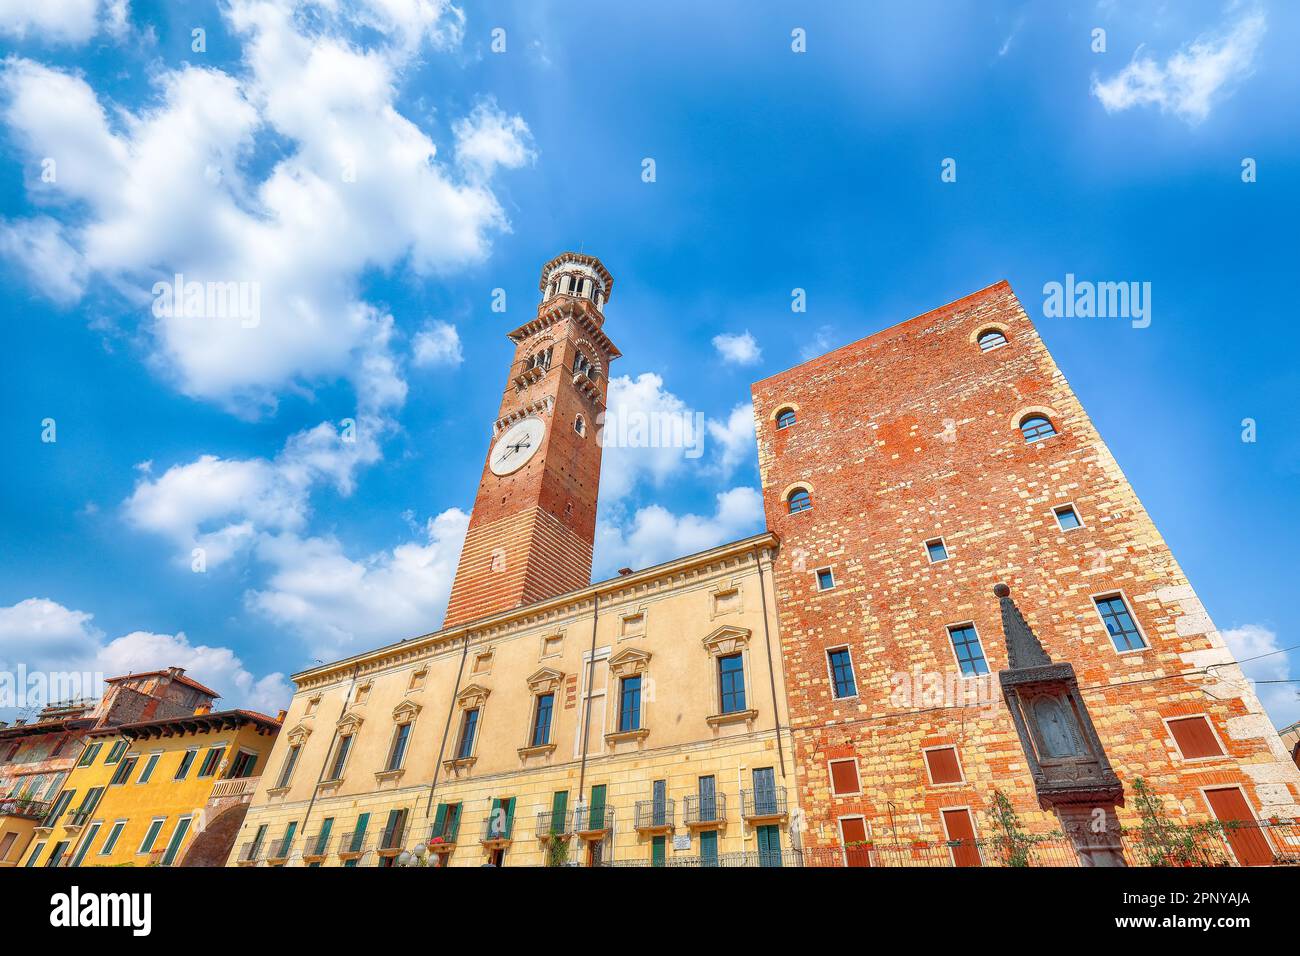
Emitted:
<point x="655" y="814"/>
<point x="356" y="842"/>
<point x="593" y="819"/>
<point x="79" y="817"/>
<point x="319" y="845"/>
<point x="759" y="804"/>
<point x="250" y="853"/>
<point x="280" y="848"/>
<point x="706" y="809"/>
<point x="551" y="823"/>
<point x="27" y="809"/>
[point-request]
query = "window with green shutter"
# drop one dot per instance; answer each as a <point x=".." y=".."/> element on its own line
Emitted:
<point x="596" y="813"/>
<point x="708" y="847"/>
<point x="658" y="851"/>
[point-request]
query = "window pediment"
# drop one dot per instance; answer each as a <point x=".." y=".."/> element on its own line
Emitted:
<point x="727" y="640"/>
<point x="349" y="722"/>
<point x="298" y="736"/>
<point x="545" y="680"/>
<point x="629" y="662"/>
<point x="472" y="696"/>
<point x="406" y="710"/>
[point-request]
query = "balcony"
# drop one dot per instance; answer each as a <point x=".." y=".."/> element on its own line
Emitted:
<point x="353" y="845"/>
<point x="593" y="823"/>
<point x="24" y="809"/>
<point x="443" y="840"/>
<point x="235" y="787"/>
<point x="655" y="816"/>
<point x="763" y="806"/>
<point x="316" y="848"/>
<point x="390" y="843"/>
<point x="552" y="825"/>
<point x="278" y="852"/>
<point x="249" y="854"/>
<point x="706" y="812"/>
<point x="496" y="832"/>
<point x="76" y="819"/>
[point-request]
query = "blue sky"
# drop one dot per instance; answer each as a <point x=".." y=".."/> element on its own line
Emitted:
<point x="378" y="170"/>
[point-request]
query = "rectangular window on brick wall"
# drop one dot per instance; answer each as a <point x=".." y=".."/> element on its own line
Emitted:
<point x="936" y="550"/>
<point x="844" y="777"/>
<point x="942" y="765"/>
<point x="841" y="665"/>
<point x="1121" y="627"/>
<point x="825" y="579"/>
<point x="1195" y="738"/>
<point x="1067" y="518"/>
<point x="970" y="653"/>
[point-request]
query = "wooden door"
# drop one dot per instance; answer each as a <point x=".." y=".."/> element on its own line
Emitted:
<point x="959" y="826"/>
<point x="1248" y="842"/>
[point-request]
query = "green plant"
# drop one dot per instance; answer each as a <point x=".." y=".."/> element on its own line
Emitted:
<point x="557" y="851"/>
<point x="1162" y="842"/>
<point x="1013" y="843"/>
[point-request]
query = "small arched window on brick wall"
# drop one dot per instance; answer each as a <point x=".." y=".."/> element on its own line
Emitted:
<point x="785" y="417"/>
<point x="798" y="501"/>
<point x="1036" y="427"/>
<point x="991" y="339"/>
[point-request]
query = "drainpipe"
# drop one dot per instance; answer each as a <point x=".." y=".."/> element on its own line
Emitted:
<point x="311" y="802"/>
<point x="451" y="711"/>
<point x="586" y="704"/>
<point x="771" y="672"/>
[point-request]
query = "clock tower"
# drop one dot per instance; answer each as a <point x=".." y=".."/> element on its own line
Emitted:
<point x="533" y="526"/>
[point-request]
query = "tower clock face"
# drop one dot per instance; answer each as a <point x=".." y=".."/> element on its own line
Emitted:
<point x="516" y="446"/>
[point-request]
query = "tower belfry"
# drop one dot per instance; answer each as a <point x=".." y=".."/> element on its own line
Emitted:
<point x="533" y="527"/>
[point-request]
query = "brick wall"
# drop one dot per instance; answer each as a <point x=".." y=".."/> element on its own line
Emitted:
<point x="913" y="434"/>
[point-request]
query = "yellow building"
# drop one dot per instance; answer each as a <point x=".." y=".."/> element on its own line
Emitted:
<point x="167" y="792"/>
<point x="638" y="720"/>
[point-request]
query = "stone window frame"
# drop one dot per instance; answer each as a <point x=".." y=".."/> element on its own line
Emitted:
<point x="580" y="425"/>
<point x="961" y="767"/>
<point x="1132" y="612"/>
<point x="313" y="702"/>
<point x="405" y="713"/>
<point x="349" y="725"/>
<point x="942" y="542"/>
<point x="422" y="672"/>
<point x="786" y="495"/>
<point x="547" y="636"/>
<point x="473" y="697"/>
<point x="984" y="328"/>
<point x="830" y="672"/>
<point x="1214" y="731"/>
<point x="1071" y="506"/>
<point x="629" y="662"/>
<point x="779" y="410"/>
<point x="1029" y="411"/>
<point x="817" y="582"/>
<point x="544" y="680"/>
<point x="487" y="652"/>
<point x="723" y="642"/>
<point x="830" y="776"/>
<point x="642" y="611"/>
<point x="736" y="587"/>
<point x="952" y="648"/>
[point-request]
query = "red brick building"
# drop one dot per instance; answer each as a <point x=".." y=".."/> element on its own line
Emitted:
<point x="907" y="474"/>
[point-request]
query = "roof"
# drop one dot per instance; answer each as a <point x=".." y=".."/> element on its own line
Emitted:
<point x="190" y="723"/>
<point x="957" y="305"/>
<point x="180" y="678"/>
<point x="47" y="727"/>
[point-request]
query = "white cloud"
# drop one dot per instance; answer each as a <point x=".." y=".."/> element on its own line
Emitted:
<point x="1255" y="641"/>
<point x="438" y="343"/>
<point x="357" y="186"/>
<point x="332" y="602"/>
<point x="43" y="635"/>
<point x="50" y="21"/>
<point x="1192" y="80"/>
<point x="737" y="348"/>
<point x="654" y="534"/>
<point x="734" y="439"/>
<point x="222" y="505"/>
<point x="55" y="267"/>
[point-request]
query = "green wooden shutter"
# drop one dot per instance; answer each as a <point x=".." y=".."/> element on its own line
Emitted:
<point x="769" y="846"/>
<point x="390" y="827"/>
<point x="510" y="817"/>
<point x="709" y="847"/>
<point x="453" y="821"/>
<point x="440" y="820"/>
<point x="323" y="840"/>
<point x="359" y="834"/>
<point x="658" y="851"/>
<point x="559" y="807"/>
<point x="494" y="832"/>
<point x="596" y="815"/>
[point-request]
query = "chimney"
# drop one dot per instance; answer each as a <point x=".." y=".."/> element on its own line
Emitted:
<point x="175" y="672"/>
<point x="202" y="709"/>
<point x="21" y="721"/>
<point x="279" y="718"/>
<point x="624" y="572"/>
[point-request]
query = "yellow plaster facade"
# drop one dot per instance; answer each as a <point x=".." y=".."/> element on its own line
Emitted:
<point x="347" y="786"/>
<point x="140" y="794"/>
